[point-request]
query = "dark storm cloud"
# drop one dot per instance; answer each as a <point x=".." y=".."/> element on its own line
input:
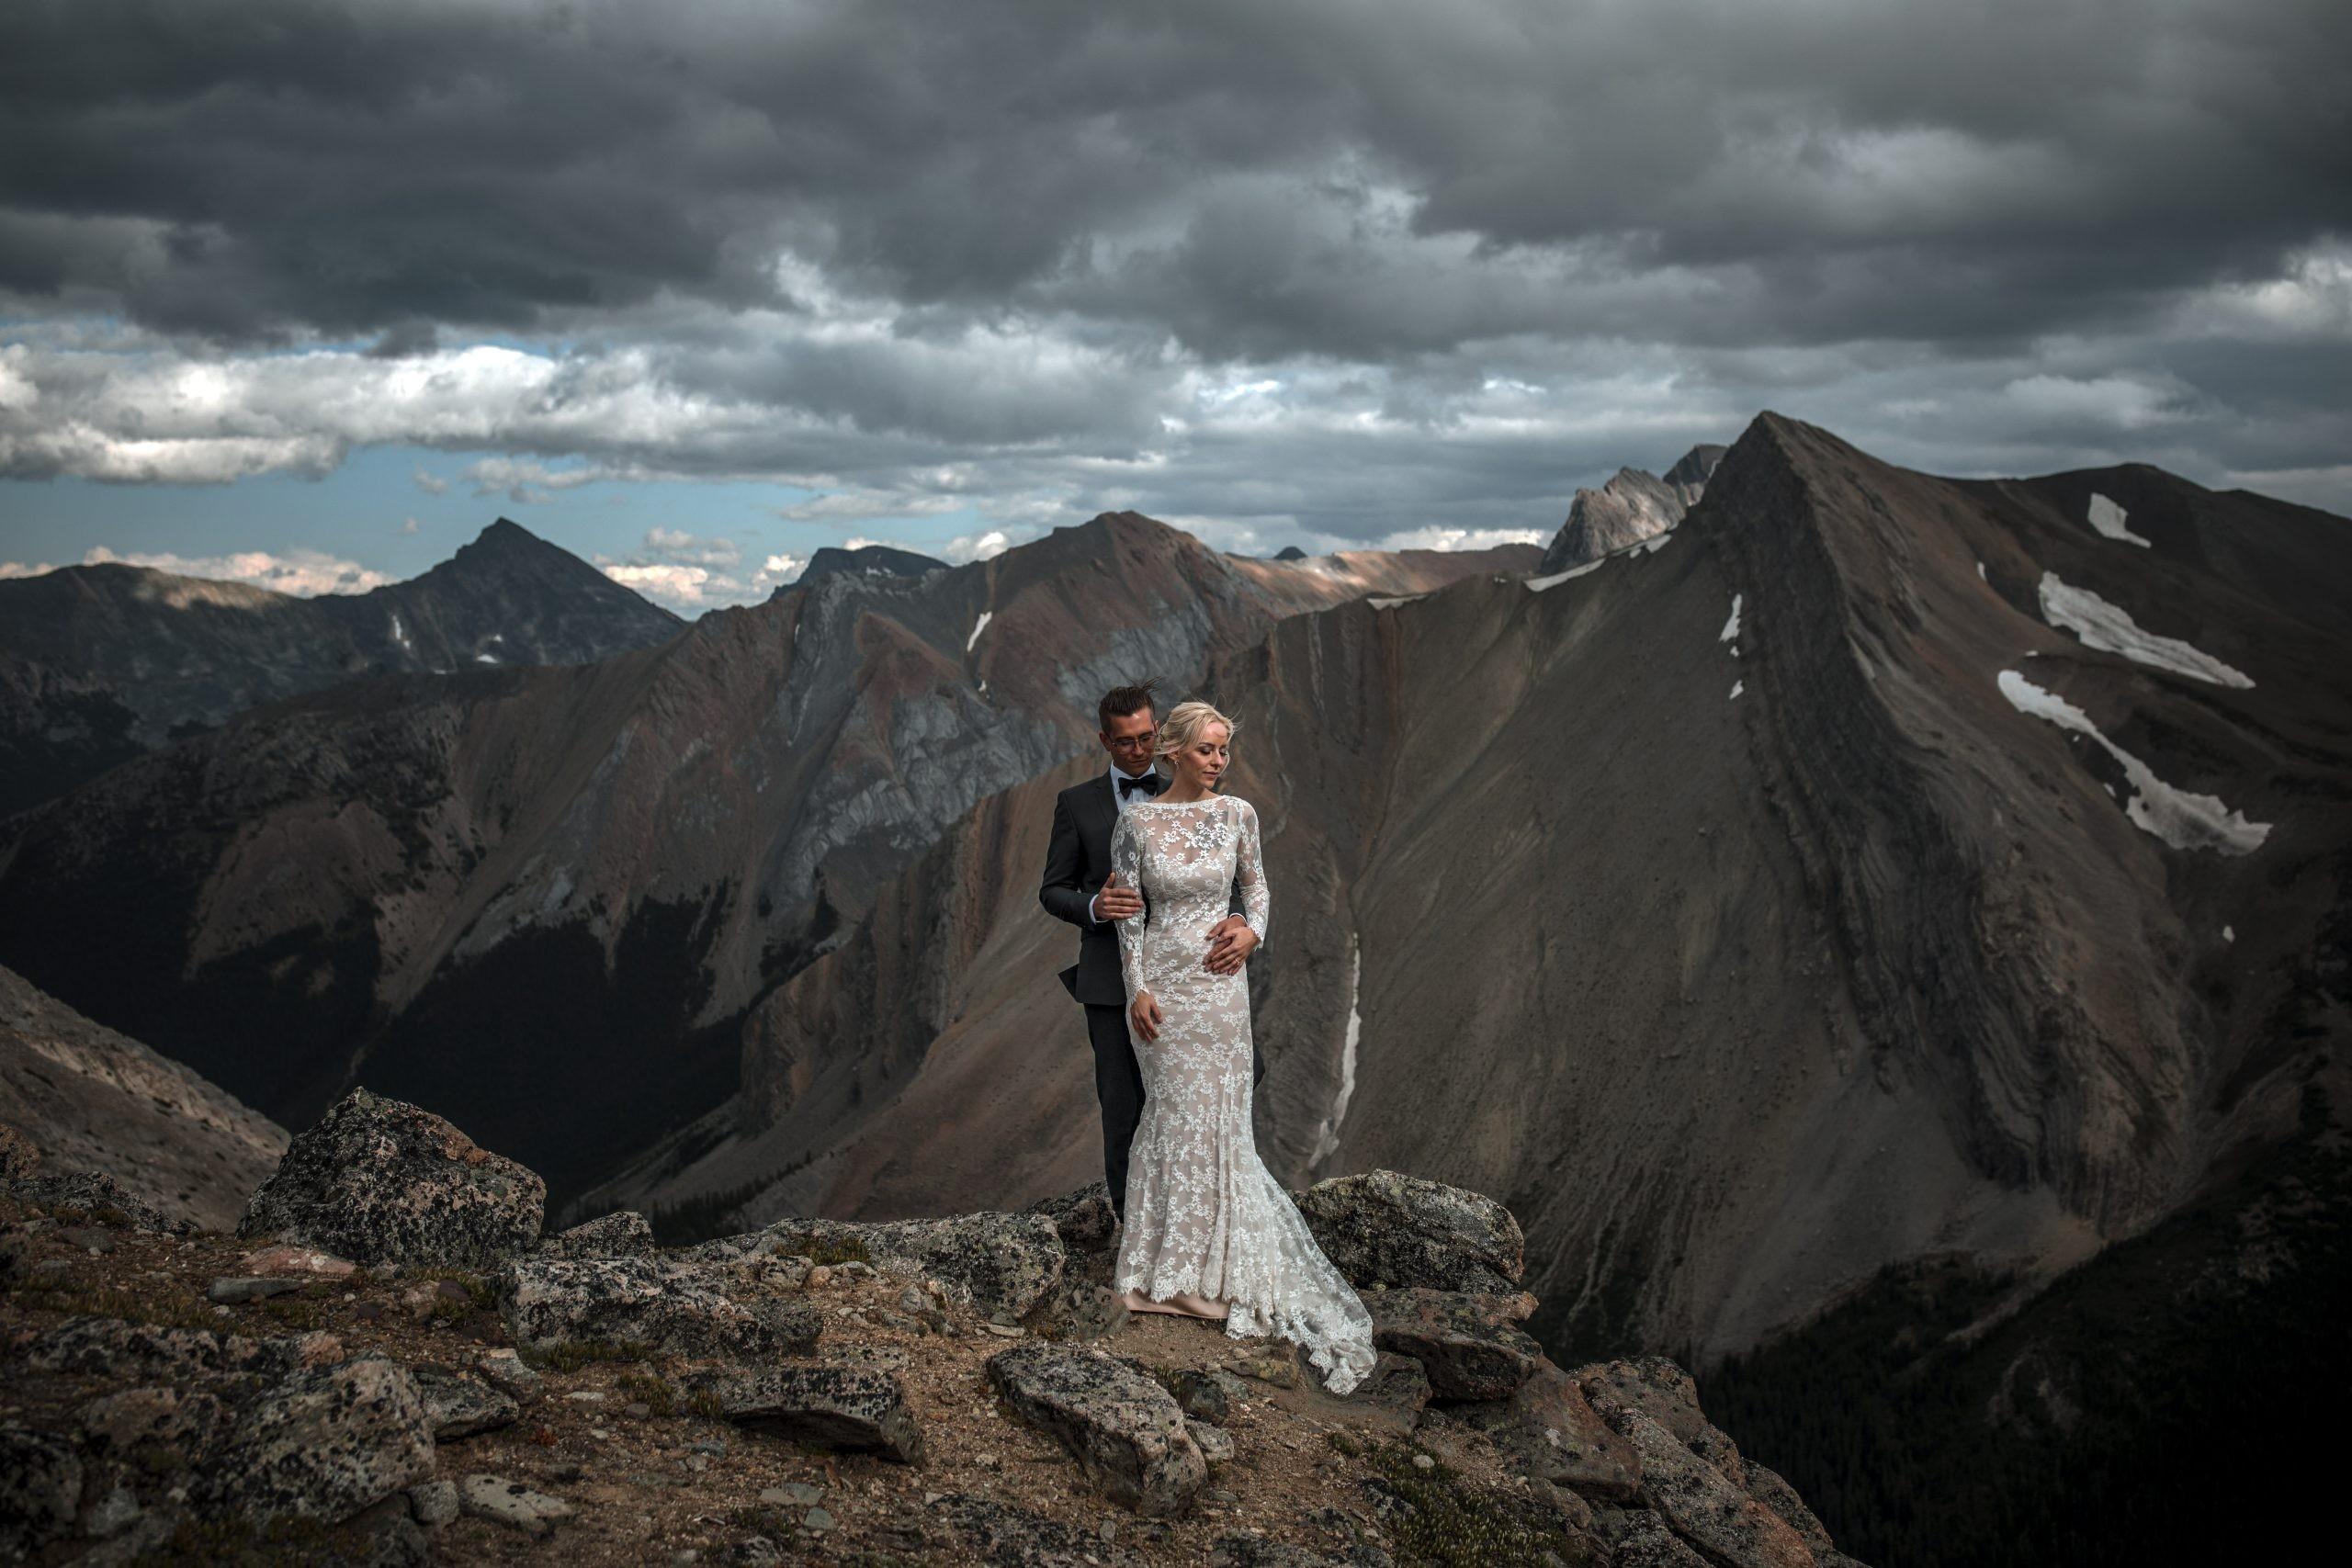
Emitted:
<point x="1038" y="234"/>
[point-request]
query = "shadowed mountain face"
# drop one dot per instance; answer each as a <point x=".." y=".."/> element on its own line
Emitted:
<point x="541" y="900"/>
<point x="102" y="662"/>
<point x="1874" y="866"/>
<point x="1632" y="506"/>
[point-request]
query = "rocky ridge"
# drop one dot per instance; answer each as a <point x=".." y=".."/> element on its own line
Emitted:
<point x="103" y="662"/>
<point x="1632" y="506"/>
<point x="956" y="1388"/>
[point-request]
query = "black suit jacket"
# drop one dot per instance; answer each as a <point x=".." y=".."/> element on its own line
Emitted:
<point x="1078" y="863"/>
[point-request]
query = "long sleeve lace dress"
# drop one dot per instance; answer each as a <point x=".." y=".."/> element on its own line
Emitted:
<point x="1204" y="1215"/>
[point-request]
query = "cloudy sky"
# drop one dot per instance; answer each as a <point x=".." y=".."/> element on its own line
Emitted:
<point x="306" y="291"/>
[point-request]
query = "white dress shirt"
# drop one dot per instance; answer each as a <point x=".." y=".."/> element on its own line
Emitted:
<point x="1122" y="798"/>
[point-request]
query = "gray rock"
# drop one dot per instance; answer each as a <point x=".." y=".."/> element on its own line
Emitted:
<point x="660" y="1303"/>
<point x="849" y="1405"/>
<point x="1549" y="1427"/>
<point x="111" y="1515"/>
<point x="1661" y="1389"/>
<point x="1203" y="1395"/>
<point x="1645" y="1540"/>
<point x="1701" y="1503"/>
<point x="1125" y="1431"/>
<point x="163" y="1431"/>
<point x="459" y="1404"/>
<point x="1215" y="1442"/>
<point x="20" y="1160"/>
<point x="234" y="1293"/>
<point x="110" y="1347"/>
<point x="1384" y="1226"/>
<point x="1771" y="1489"/>
<point x="511" y="1504"/>
<point x="433" y="1504"/>
<point x="324" y="1443"/>
<point x="622" y="1233"/>
<point x="505" y="1372"/>
<point x="1397" y="1389"/>
<point x="1467" y="1344"/>
<point x="1083" y="1219"/>
<point x="1005" y="1265"/>
<point x="40" y="1488"/>
<point x="793" y="1494"/>
<point x="380" y="1181"/>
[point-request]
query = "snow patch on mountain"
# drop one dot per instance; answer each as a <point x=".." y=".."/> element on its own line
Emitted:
<point x="2108" y="519"/>
<point x="2111" y="630"/>
<point x="2181" y="819"/>
<point x="977" y="627"/>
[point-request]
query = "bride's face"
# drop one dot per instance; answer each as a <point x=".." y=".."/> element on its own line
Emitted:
<point x="1202" y="763"/>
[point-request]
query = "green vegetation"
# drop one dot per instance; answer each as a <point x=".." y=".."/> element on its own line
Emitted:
<point x="2159" y="1404"/>
<point x="576" y="1354"/>
<point x="1449" y="1523"/>
<point x="649" y="1391"/>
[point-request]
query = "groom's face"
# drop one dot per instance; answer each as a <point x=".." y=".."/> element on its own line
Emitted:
<point x="1129" y="740"/>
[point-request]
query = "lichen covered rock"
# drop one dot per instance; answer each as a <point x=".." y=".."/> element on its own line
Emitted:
<point x="658" y="1304"/>
<point x="324" y="1443"/>
<point x="1125" y="1431"/>
<point x="856" y="1406"/>
<point x="622" y="1233"/>
<point x="1470" y="1345"/>
<point x="377" y="1180"/>
<point x="1385" y="1228"/>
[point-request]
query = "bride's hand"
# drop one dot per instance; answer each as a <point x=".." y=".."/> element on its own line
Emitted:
<point x="1143" y="1018"/>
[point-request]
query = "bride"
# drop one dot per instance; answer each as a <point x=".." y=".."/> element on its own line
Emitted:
<point x="1209" y="1232"/>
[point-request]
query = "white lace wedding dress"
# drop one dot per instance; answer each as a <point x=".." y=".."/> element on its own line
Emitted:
<point x="1204" y="1215"/>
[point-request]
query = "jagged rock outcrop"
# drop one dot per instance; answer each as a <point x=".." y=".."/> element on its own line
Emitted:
<point x="1632" y="507"/>
<point x="94" y="1101"/>
<point x="103" y="662"/>
<point x="375" y="1180"/>
<point x="643" y="846"/>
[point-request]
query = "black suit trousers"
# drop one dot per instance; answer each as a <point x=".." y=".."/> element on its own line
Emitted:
<point x="1118" y="1083"/>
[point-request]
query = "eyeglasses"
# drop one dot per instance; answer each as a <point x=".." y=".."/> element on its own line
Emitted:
<point x="1130" y="743"/>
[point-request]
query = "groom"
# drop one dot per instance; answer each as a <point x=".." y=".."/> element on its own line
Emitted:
<point x="1078" y="863"/>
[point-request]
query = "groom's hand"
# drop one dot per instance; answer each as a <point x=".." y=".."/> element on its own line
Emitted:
<point x="1117" y="901"/>
<point x="1231" y="941"/>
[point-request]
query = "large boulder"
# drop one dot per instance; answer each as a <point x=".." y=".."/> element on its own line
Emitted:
<point x="1125" y="1431"/>
<point x="1083" y="1219"/>
<point x="379" y="1181"/>
<point x="656" y="1304"/>
<point x="1385" y="1228"/>
<point x="856" y="1405"/>
<point x="323" y="1444"/>
<point x="1470" y="1345"/>
<point x="1006" y="1265"/>
<point x="99" y="1196"/>
<point x="1662" y="1391"/>
<point x="111" y="1348"/>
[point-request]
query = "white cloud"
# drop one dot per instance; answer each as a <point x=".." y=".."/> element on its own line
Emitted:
<point x="1443" y="538"/>
<point x="304" y="573"/>
<point x="691" y="572"/>
<point x="19" y="569"/>
<point x="431" y="484"/>
<point x="408" y="525"/>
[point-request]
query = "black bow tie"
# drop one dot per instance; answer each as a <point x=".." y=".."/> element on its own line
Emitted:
<point x="1149" y="783"/>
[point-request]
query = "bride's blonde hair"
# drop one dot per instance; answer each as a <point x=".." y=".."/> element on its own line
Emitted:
<point x="1183" y="725"/>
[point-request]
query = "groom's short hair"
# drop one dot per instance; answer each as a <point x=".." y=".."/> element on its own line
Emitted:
<point x="1121" y="701"/>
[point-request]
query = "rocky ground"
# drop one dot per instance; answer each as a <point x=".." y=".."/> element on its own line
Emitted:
<point x="392" y="1365"/>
